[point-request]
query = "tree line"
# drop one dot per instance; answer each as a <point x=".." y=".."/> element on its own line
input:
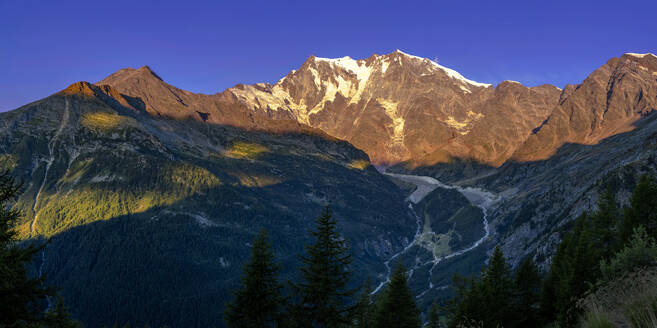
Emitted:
<point x="321" y="297"/>
<point x="601" y="248"/>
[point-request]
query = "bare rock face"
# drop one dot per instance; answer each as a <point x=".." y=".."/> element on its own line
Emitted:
<point x="606" y="103"/>
<point x="399" y="107"/>
<point x="148" y="93"/>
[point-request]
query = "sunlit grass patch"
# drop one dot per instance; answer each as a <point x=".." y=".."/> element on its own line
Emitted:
<point x="257" y="180"/>
<point x="7" y="162"/>
<point x="120" y="193"/>
<point x="104" y="121"/>
<point x="245" y="150"/>
<point x="359" y="164"/>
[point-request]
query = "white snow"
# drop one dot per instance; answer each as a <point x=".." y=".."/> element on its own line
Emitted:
<point x="351" y="88"/>
<point x="450" y="72"/>
<point x="512" y="81"/>
<point x="463" y="126"/>
<point x="357" y="67"/>
<point x="640" y="55"/>
<point x="397" y="120"/>
<point x="466" y="90"/>
<point x="384" y="66"/>
<point x="315" y="74"/>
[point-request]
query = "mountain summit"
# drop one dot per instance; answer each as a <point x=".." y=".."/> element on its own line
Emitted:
<point x="401" y="108"/>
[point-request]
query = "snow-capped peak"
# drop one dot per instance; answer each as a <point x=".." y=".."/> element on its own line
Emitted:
<point x="357" y="67"/>
<point x="450" y="72"/>
<point x="640" y="55"/>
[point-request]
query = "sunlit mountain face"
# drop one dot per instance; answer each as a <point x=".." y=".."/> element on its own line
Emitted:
<point x="151" y="194"/>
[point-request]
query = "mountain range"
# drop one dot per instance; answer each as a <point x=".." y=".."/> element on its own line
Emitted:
<point x="151" y="194"/>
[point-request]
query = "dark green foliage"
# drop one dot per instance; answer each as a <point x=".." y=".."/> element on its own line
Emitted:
<point x="365" y="308"/>
<point x="20" y="295"/>
<point x="21" y="298"/>
<point x="258" y="302"/>
<point x="490" y="300"/>
<point x="573" y="272"/>
<point x="58" y="317"/>
<point x="642" y="210"/>
<point x="323" y="298"/>
<point x="641" y="252"/>
<point x="605" y="220"/>
<point x="498" y="291"/>
<point x="434" y="316"/>
<point x="396" y="307"/>
<point x="528" y="286"/>
<point x="575" y="267"/>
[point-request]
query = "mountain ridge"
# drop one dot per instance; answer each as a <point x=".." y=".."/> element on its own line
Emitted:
<point x="146" y="173"/>
<point x="329" y="94"/>
<point x="381" y="102"/>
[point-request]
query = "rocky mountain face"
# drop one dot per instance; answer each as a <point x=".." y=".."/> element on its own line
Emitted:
<point x="403" y="108"/>
<point x="150" y="218"/>
<point x="601" y="135"/>
<point x="147" y="183"/>
<point x="395" y="107"/>
<point x="606" y="103"/>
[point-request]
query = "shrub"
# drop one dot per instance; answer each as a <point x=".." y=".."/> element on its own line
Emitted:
<point x="628" y="301"/>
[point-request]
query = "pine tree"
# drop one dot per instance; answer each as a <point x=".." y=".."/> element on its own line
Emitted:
<point x="575" y="267"/>
<point x="258" y="302"/>
<point x="605" y="220"/>
<point x="21" y="297"/>
<point x="365" y="309"/>
<point x="528" y="285"/>
<point x="396" y="307"/>
<point x="642" y="210"/>
<point x="323" y="297"/>
<point x="469" y="302"/>
<point x="498" y="288"/>
<point x="59" y="317"/>
<point x="490" y="300"/>
<point x="434" y="316"/>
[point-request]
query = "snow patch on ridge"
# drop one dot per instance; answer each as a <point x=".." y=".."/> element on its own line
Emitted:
<point x="450" y="72"/>
<point x="357" y="67"/>
<point x="463" y="127"/>
<point x="384" y="66"/>
<point x="640" y="55"/>
<point x="397" y="120"/>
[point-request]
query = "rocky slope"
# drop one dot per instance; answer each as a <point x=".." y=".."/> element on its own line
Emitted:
<point x="146" y="183"/>
<point x="600" y="136"/>
<point x="150" y="218"/>
<point x="606" y="103"/>
<point x="398" y="107"/>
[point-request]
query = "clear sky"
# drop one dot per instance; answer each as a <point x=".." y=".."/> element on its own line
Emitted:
<point x="207" y="46"/>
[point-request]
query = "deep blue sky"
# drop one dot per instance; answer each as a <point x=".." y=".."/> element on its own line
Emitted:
<point x="207" y="46"/>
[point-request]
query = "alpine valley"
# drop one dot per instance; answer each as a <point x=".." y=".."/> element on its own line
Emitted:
<point x="150" y="195"/>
